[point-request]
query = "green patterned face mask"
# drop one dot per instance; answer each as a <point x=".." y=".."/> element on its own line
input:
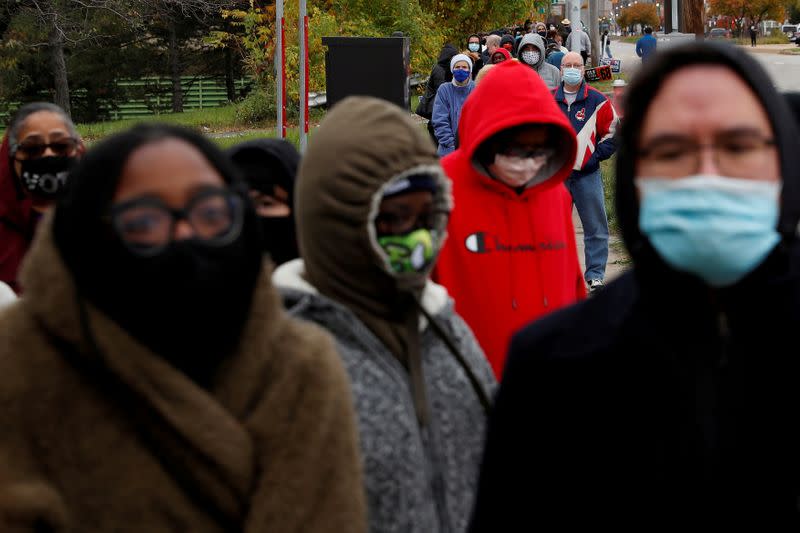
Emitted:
<point x="409" y="253"/>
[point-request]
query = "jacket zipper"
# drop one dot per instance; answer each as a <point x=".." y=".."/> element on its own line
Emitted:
<point x="724" y="333"/>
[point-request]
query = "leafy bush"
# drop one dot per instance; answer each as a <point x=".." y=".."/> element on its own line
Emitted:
<point x="259" y="106"/>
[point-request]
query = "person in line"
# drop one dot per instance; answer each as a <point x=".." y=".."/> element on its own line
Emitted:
<point x="440" y="74"/>
<point x="449" y="100"/>
<point x="482" y="74"/>
<point x="151" y="380"/>
<point x="500" y="55"/>
<point x="269" y="167"/>
<point x="566" y="28"/>
<point x="474" y="53"/>
<point x="507" y="42"/>
<point x="595" y="122"/>
<point x="541" y="30"/>
<point x="606" y="45"/>
<point x="492" y="44"/>
<point x="372" y="207"/>
<point x="578" y="41"/>
<point x="511" y="256"/>
<point x="753" y="34"/>
<point x="670" y="397"/>
<point x="532" y="53"/>
<point x="646" y="45"/>
<point x="40" y="146"/>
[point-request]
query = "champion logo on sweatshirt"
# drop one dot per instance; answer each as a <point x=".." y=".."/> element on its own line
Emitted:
<point x="481" y="243"/>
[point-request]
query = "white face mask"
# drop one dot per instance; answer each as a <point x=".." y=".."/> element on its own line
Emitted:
<point x="531" y="57"/>
<point x="517" y="171"/>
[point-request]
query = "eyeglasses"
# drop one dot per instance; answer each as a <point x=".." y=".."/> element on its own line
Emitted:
<point x="735" y="155"/>
<point x="526" y="152"/>
<point x="147" y="225"/>
<point x="35" y="150"/>
<point x="572" y="65"/>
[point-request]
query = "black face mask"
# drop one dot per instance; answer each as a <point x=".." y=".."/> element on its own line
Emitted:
<point x="279" y="239"/>
<point x="543" y="34"/>
<point x="46" y="178"/>
<point x="189" y="304"/>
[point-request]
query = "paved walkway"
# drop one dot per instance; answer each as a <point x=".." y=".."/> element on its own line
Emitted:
<point x="618" y="260"/>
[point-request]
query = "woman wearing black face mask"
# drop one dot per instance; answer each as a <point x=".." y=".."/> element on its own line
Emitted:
<point x="150" y="373"/>
<point x="40" y="146"/>
<point x="269" y="167"/>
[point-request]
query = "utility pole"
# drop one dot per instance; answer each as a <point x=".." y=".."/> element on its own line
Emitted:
<point x="693" y="17"/>
<point x="280" y="70"/>
<point x="303" y="60"/>
<point x="594" y="32"/>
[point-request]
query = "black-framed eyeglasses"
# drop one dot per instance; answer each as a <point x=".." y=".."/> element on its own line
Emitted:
<point x="147" y="225"/>
<point x="526" y="152"/>
<point x="35" y="149"/>
<point x="735" y="155"/>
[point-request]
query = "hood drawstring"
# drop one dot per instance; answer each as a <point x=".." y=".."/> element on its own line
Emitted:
<point x="415" y="370"/>
<point x="537" y="260"/>
<point x="510" y="261"/>
<point x="483" y="396"/>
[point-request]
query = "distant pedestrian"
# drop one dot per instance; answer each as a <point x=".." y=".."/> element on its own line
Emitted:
<point x="500" y="55"/>
<point x="646" y="45"/>
<point x="579" y="41"/>
<point x="440" y="73"/>
<point x="474" y="53"/>
<point x="448" y="103"/>
<point x="507" y="42"/>
<point x="753" y="34"/>
<point x="532" y="53"/>
<point x="595" y="122"/>
<point x="492" y="44"/>
<point x="606" y="45"/>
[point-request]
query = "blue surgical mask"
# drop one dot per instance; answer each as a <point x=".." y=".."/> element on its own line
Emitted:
<point x="572" y="76"/>
<point x="461" y="75"/>
<point x="719" y="229"/>
<point x="474" y="47"/>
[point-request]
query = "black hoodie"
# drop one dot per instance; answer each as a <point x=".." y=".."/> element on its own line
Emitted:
<point x="659" y="402"/>
<point x="265" y="164"/>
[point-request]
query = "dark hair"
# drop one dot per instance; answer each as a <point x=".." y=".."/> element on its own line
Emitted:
<point x="648" y="30"/>
<point x="19" y="117"/>
<point x="94" y="181"/>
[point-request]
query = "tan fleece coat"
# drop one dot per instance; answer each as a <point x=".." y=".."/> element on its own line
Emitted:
<point x="112" y="438"/>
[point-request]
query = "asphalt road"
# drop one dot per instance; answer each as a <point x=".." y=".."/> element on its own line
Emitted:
<point x="784" y="69"/>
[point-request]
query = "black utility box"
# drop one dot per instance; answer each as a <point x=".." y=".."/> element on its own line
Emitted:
<point x="367" y="66"/>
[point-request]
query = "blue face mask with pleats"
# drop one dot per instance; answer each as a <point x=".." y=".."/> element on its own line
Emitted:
<point x="461" y="75"/>
<point x="719" y="229"/>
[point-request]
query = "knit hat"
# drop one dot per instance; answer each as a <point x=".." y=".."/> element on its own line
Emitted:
<point x="460" y="57"/>
<point x="413" y="183"/>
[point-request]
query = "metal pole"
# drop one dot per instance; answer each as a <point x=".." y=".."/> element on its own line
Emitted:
<point x="303" y="77"/>
<point x="594" y="32"/>
<point x="280" y="70"/>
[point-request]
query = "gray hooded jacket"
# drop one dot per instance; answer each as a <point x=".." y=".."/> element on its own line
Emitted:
<point x="550" y="75"/>
<point x="417" y="481"/>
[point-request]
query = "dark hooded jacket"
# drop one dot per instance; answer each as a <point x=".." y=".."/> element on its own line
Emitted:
<point x="265" y="164"/>
<point x="549" y="74"/>
<point x="441" y="72"/>
<point x="420" y="417"/>
<point x="102" y="428"/>
<point x="660" y="402"/>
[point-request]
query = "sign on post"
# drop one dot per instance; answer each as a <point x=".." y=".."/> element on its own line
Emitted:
<point x="615" y="64"/>
<point x="602" y="73"/>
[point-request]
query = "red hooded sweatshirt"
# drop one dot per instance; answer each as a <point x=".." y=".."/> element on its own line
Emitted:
<point x="17" y="222"/>
<point x="509" y="258"/>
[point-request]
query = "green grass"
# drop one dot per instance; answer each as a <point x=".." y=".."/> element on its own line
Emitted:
<point x="608" y="172"/>
<point x="214" y="119"/>
<point x="772" y="39"/>
<point x="605" y="86"/>
<point x="630" y="39"/>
